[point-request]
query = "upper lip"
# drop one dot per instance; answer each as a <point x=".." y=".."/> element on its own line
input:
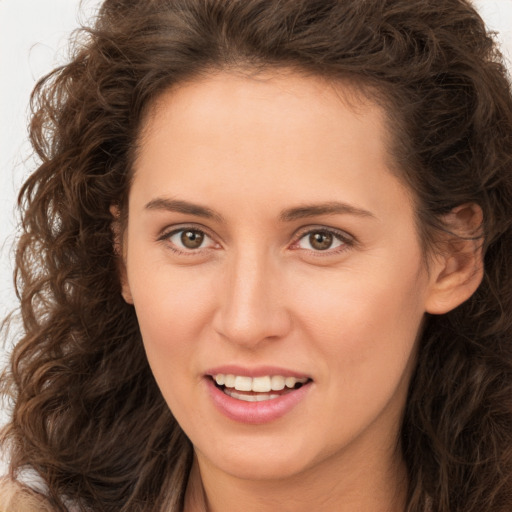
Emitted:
<point x="255" y="371"/>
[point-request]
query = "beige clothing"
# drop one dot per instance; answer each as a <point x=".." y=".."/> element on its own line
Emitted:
<point x="16" y="497"/>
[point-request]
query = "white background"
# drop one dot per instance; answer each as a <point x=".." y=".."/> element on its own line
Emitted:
<point x="33" y="40"/>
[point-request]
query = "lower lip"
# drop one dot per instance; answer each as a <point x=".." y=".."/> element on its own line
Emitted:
<point x="255" y="412"/>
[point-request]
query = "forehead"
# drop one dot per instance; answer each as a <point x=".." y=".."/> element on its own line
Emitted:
<point x="296" y="134"/>
<point x="272" y="100"/>
<point x="218" y="88"/>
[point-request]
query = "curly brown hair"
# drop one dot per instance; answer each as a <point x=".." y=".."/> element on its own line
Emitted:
<point x="87" y="413"/>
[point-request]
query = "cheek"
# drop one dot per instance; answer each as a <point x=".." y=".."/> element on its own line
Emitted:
<point x="365" y="322"/>
<point x="364" y="339"/>
<point x="173" y="309"/>
<point x="172" y="313"/>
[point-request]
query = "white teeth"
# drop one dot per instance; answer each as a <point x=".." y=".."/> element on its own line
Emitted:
<point x="250" y="398"/>
<point x="277" y="382"/>
<point x="290" y="382"/>
<point x="229" y="380"/>
<point x="261" y="384"/>
<point x="243" y="383"/>
<point x="257" y="384"/>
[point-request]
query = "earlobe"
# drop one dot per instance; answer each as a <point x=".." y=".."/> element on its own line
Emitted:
<point x="125" y="288"/>
<point x="118" y="252"/>
<point x="457" y="270"/>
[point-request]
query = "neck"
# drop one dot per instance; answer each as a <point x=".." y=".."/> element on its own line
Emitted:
<point x="377" y="485"/>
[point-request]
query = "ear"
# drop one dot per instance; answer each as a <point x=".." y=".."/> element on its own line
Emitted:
<point x="457" y="270"/>
<point x="120" y="253"/>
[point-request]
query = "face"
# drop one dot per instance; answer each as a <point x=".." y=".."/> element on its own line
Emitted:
<point x="276" y="272"/>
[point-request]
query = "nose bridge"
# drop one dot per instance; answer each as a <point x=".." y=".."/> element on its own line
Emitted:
<point x="251" y="308"/>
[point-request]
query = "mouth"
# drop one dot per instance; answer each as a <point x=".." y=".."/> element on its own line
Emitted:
<point x="257" y="389"/>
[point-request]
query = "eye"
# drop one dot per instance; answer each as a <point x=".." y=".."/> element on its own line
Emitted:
<point x="319" y="240"/>
<point x="189" y="239"/>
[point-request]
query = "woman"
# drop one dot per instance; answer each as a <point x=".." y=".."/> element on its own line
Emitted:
<point x="265" y="263"/>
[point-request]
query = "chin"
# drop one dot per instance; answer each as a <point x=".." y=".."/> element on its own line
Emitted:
<point x="273" y="461"/>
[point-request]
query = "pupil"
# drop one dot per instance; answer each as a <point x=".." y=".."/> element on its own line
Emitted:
<point x="320" y="241"/>
<point x="192" y="239"/>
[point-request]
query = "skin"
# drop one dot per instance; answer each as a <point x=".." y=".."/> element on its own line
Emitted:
<point x="256" y="292"/>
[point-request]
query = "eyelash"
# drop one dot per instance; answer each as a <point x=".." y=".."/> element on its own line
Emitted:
<point x="166" y="237"/>
<point x="346" y="240"/>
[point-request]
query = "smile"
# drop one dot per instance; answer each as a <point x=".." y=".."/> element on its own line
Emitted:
<point x="257" y="389"/>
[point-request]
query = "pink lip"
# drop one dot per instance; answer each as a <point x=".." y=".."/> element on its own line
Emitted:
<point x="255" y="412"/>
<point x="258" y="371"/>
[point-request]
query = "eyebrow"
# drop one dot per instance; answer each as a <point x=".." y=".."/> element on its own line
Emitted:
<point x="287" y="215"/>
<point x="175" y="205"/>
<point x="330" y="208"/>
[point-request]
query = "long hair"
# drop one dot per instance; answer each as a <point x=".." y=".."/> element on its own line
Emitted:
<point x="87" y="413"/>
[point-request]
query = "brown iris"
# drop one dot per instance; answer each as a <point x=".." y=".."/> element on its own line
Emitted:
<point x="320" y="241"/>
<point x="192" y="239"/>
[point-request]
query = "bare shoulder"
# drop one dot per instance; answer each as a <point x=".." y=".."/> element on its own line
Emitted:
<point x="16" y="497"/>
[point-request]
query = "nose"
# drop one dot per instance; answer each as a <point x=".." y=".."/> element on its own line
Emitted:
<point x="251" y="305"/>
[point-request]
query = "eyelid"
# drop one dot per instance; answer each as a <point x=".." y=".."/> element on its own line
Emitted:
<point x="168" y="232"/>
<point x="347" y="239"/>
